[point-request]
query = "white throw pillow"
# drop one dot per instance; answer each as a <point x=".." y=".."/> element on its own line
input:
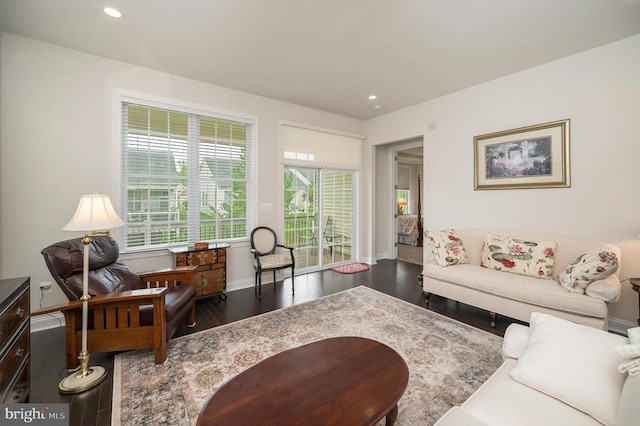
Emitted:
<point x="447" y="247"/>
<point x="575" y="364"/>
<point x="593" y="265"/>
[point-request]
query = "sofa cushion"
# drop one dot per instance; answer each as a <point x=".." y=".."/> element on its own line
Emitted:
<point x="593" y="265"/>
<point x="547" y="293"/>
<point x="608" y="289"/>
<point x="501" y="401"/>
<point x="531" y="258"/>
<point x="447" y="247"/>
<point x="573" y="363"/>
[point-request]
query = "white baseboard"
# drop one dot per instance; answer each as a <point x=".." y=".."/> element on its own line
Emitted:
<point x="384" y="255"/>
<point x="240" y="284"/>
<point x="46" y="322"/>
<point x="369" y="260"/>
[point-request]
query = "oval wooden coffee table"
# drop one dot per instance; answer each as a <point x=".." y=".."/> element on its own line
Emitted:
<point x="337" y="381"/>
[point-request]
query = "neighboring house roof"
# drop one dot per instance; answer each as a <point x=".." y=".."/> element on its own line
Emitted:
<point x="151" y="162"/>
<point x="303" y="178"/>
<point x="219" y="167"/>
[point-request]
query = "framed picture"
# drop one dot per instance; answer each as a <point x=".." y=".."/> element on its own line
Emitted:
<point x="527" y="157"/>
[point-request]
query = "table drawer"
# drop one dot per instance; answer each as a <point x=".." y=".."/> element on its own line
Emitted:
<point x="13" y="359"/>
<point x="13" y="316"/>
<point x="20" y="390"/>
<point x="212" y="281"/>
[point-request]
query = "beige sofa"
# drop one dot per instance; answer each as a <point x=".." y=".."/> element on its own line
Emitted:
<point x="517" y="296"/>
<point x="570" y="378"/>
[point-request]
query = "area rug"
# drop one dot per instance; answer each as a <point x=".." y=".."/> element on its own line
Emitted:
<point x="447" y="360"/>
<point x="351" y="268"/>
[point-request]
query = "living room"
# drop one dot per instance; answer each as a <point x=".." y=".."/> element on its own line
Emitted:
<point x="59" y="123"/>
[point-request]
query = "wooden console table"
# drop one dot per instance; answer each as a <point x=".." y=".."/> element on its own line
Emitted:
<point x="14" y="340"/>
<point x="210" y="276"/>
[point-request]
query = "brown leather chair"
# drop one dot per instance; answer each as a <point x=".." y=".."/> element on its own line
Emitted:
<point x="126" y="310"/>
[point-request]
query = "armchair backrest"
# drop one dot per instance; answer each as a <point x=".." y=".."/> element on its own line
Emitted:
<point x="264" y="240"/>
<point x="106" y="274"/>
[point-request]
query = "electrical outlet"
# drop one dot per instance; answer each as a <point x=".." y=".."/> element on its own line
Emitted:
<point x="45" y="287"/>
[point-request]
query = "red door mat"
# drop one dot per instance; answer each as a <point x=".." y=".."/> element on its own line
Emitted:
<point x="351" y="268"/>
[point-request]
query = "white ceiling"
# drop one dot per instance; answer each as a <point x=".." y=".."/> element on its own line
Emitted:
<point x="330" y="54"/>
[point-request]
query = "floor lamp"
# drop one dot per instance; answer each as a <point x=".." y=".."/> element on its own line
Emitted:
<point x="95" y="212"/>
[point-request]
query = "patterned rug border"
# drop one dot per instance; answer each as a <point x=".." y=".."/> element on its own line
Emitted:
<point x="117" y="385"/>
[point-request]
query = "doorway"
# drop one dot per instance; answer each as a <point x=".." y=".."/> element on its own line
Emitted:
<point x="389" y="159"/>
<point x="408" y="195"/>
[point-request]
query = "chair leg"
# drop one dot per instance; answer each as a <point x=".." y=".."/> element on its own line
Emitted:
<point x="159" y="331"/>
<point x="293" y="285"/>
<point x="191" y="318"/>
<point x="260" y="286"/>
<point x="72" y="341"/>
<point x="494" y="316"/>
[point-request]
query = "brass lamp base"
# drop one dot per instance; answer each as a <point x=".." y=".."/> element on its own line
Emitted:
<point x="83" y="379"/>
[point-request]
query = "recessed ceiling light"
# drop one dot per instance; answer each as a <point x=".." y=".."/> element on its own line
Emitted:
<point x="373" y="97"/>
<point x="112" y="12"/>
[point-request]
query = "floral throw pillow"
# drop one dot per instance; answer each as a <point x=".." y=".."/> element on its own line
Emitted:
<point x="447" y="247"/>
<point x="588" y="267"/>
<point x="531" y="258"/>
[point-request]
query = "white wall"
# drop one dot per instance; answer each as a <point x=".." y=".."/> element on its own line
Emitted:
<point x="57" y="143"/>
<point x="599" y="91"/>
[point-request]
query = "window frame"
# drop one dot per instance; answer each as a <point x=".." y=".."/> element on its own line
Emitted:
<point x="122" y="96"/>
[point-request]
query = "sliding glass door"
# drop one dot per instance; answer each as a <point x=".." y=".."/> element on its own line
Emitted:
<point x="319" y="215"/>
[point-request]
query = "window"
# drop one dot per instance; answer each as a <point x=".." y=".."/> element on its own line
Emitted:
<point x="186" y="176"/>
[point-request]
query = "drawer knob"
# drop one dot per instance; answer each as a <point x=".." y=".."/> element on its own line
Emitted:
<point x="19" y="352"/>
<point x="20" y="312"/>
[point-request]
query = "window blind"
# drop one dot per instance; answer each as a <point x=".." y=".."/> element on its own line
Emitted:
<point x="186" y="176"/>
<point x="306" y="147"/>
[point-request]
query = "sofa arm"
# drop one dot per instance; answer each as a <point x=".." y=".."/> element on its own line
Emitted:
<point x="457" y="416"/>
<point x="516" y="338"/>
<point x="607" y="289"/>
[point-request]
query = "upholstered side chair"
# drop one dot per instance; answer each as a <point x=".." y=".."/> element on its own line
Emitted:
<point x="126" y="310"/>
<point x="268" y="255"/>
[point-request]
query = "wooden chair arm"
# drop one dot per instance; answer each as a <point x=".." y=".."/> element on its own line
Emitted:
<point x="143" y="296"/>
<point x="287" y="248"/>
<point x="183" y="274"/>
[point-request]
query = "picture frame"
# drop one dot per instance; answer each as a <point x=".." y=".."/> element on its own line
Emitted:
<point x="524" y="158"/>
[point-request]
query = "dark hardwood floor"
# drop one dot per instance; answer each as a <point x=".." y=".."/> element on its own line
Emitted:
<point x="93" y="407"/>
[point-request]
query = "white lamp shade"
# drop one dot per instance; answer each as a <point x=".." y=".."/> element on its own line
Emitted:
<point x="95" y="213"/>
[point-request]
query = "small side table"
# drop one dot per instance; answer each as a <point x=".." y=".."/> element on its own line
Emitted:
<point x="635" y="286"/>
<point x="210" y="276"/>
